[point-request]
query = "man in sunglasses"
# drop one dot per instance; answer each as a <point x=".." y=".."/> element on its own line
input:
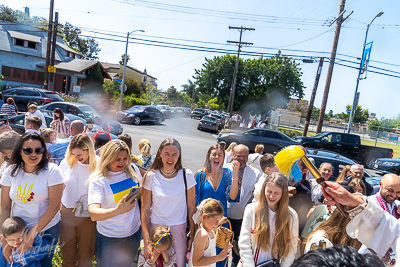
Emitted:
<point x="33" y="124"/>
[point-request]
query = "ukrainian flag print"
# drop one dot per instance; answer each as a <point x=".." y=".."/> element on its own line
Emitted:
<point x="122" y="188"/>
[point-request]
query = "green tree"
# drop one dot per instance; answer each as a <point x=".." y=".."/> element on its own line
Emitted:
<point x="360" y="115"/>
<point x="123" y="58"/>
<point x="88" y="48"/>
<point x="152" y="96"/>
<point x="261" y="83"/>
<point x="212" y="104"/>
<point x="112" y="88"/>
<point x="134" y="86"/>
<point x="201" y="104"/>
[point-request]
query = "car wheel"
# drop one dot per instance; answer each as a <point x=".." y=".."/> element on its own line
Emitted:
<point x="160" y="121"/>
<point x="136" y="120"/>
<point x="370" y="159"/>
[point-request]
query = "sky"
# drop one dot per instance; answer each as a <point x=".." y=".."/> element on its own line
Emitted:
<point x="299" y="28"/>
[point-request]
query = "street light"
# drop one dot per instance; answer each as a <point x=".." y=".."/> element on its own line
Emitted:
<point x="123" y="74"/>
<point x="353" y="108"/>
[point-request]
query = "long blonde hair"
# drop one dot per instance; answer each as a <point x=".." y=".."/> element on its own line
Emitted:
<point x="282" y="236"/>
<point x="342" y="175"/>
<point x="109" y="153"/>
<point x="231" y="148"/>
<point x="84" y="142"/>
<point x="144" y="146"/>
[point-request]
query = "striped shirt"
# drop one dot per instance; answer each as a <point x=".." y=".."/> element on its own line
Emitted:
<point x="8" y="109"/>
<point x="61" y="126"/>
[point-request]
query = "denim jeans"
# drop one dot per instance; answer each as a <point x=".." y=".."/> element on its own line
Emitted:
<point x="117" y="252"/>
<point x="50" y="235"/>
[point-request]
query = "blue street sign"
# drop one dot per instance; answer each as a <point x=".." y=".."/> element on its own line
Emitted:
<point x="118" y="80"/>
<point x="348" y="111"/>
<point x="365" y="60"/>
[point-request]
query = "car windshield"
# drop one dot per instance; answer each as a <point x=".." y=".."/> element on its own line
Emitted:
<point x="208" y="119"/>
<point x="161" y="107"/>
<point x="136" y="108"/>
<point x="319" y="135"/>
<point x="216" y="116"/>
<point x="199" y="109"/>
<point x="89" y="112"/>
<point x="53" y="95"/>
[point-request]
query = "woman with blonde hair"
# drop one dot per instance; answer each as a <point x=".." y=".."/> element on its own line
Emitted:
<point x="145" y="156"/>
<point x="168" y="198"/>
<point x="229" y="152"/>
<point x="78" y="234"/>
<point x="270" y="227"/>
<point x="343" y="174"/>
<point x="117" y="217"/>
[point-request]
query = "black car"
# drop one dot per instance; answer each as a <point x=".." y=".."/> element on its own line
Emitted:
<point x="387" y="165"/>
<point x="198" y="113"/>
<point x="139" y="114"/>
<point x="219" y="118"/>
<point x="23" y="95"/>
<point x="271" y="139"/>
<point x="86" y="112"/>
<point x="208" y="123"/>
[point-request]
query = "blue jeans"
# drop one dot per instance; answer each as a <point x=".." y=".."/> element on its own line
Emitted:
<point x="50" y="235"/>
<point x="117" y="252"/>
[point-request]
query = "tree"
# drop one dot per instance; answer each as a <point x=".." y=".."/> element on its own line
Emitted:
<point x="123" y="58"/>
<point x="201" y="104"/>
<point x="88" y="48"/>
<point x="297" y="105"/>
<point x="151" y="96"/>
<point x="134" y="86"/>
<point x="360" y="115"/>
<point x="261" y="83"/>
<point x="212" y="104"/>
<point x="112" y="88"/>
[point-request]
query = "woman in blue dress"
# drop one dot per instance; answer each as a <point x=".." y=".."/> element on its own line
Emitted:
<point x="214" y="181"/>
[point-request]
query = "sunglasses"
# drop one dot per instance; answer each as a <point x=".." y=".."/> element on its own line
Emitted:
<point x="29" y="151"/>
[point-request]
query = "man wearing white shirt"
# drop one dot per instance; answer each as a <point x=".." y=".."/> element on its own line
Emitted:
<point x="247" y="178"/>
<point x="32" y="124"/>
<point x="388" y="195"/>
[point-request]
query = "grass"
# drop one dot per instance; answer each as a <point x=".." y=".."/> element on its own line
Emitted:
<point x="396" y="149"/>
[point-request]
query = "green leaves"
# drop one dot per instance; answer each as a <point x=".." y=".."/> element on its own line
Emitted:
<point x="261" y="83"/>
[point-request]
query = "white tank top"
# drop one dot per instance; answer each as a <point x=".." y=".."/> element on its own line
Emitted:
<point x="209" y="252"/>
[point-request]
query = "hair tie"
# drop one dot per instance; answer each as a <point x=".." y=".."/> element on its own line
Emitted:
<point x="197" y="216"/>
<point x="162" y="237"/>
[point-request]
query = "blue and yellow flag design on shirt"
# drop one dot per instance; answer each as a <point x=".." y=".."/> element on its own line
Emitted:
<point x="122" y="188"/>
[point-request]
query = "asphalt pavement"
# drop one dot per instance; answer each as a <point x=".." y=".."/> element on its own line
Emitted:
<point x="194" y="143"/>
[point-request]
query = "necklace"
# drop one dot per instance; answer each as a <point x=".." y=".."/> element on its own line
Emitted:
<point x="166" y="173"/>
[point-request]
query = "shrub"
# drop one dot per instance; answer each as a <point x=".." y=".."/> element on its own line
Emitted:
<point x="290" y="132"/>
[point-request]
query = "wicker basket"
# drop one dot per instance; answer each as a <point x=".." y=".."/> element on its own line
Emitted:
<point x="224" y="236"/>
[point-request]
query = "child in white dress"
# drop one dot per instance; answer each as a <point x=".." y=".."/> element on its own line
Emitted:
<point x="209" y="215"/>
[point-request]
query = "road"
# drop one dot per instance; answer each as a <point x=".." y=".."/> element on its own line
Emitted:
<point x="194" y="143"/>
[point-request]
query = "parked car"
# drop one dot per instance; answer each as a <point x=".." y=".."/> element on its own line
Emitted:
<point x="173" y="111"/>
<point x="198" y="113"/>
<point x="208" y="123"/>
<point x="165" y="109"/>
<point x="348" y="145"/>
<point x="219" y="118"/>
<point x="139" y="114"/>
<point x="179" y="111"/>
<point x="23" y="95"/>
<point x="86" y="112"/>
<point x="271" y="139"/>
<point x="387" y="165"/>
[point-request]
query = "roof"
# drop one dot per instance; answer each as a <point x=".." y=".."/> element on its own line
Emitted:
<point x="66" y="48"/>
<point x="24" y="36"/>
<point x="117" y="66"/>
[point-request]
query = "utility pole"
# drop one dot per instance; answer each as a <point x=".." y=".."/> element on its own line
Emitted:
<point x="240" y="43"/>
<point x="53" y="53"/>
<point x="314" y="91"/>
<point x="331" y="64"/>
<point x="49" y="31"/>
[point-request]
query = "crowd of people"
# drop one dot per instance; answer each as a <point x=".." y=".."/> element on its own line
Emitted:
<point x="71" y="186"/>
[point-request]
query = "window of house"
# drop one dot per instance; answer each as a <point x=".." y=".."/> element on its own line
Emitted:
<point x="40" y="76"/>
<point x="32" y="45"/>
<point x="66" y="53"/>
<point x="6" y="71"/>
<point x="17" y="73"/>
<point x="72" y="55"/>
<point x="19" y="42"/>
<point x="31" y="75"/>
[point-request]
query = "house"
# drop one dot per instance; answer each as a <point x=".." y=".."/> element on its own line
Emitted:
<point x="23" y="58"/>
<point x="118" y="69"/>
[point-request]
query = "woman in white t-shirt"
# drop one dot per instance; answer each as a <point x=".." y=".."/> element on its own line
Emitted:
<point x="118" y="218"/>
<point x="32" y="189"/>
<point x="270" y="228"/>
<point x="168" y="199"/>
<point x="77" y="234"/>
